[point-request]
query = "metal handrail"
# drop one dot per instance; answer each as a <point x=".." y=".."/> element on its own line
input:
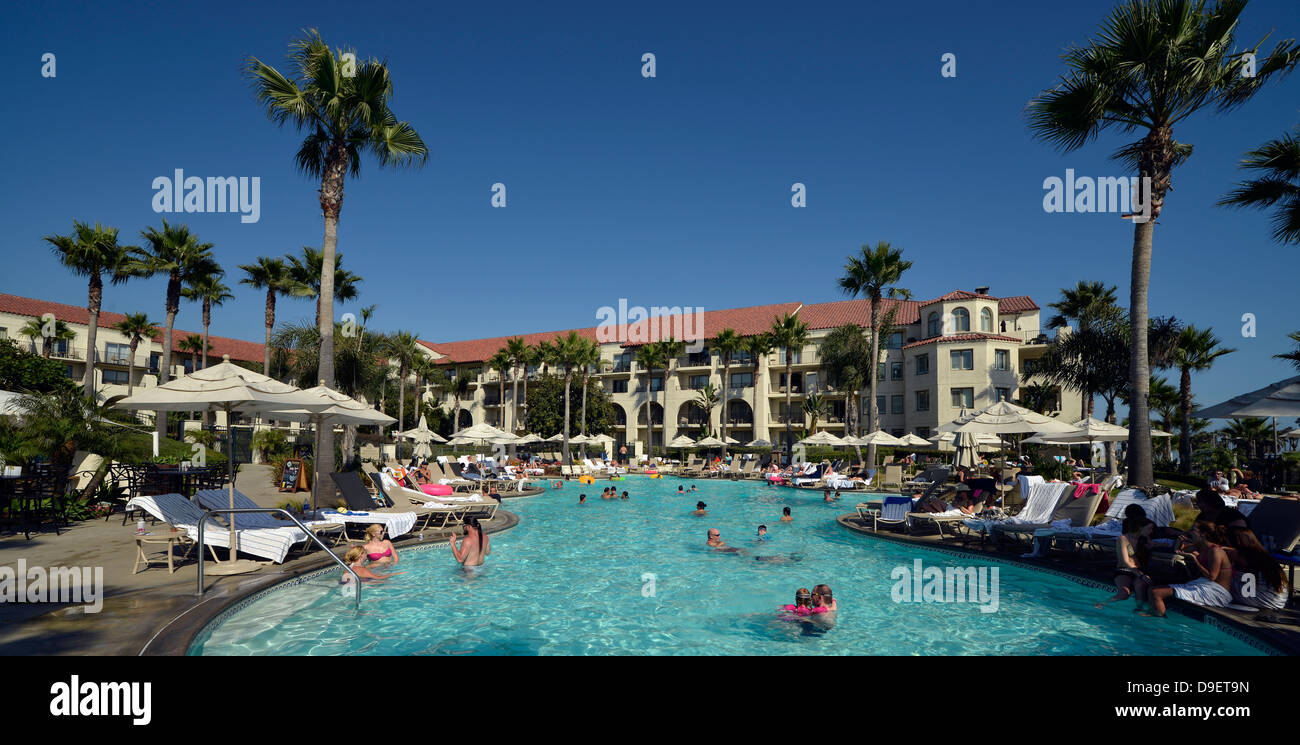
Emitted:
<point x="211" y="513"/>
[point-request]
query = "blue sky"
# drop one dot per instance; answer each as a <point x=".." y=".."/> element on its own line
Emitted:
<point x="666" y="191"/>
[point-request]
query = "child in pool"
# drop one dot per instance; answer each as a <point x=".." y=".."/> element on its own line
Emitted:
<point x="355" y="559"/>
<point x="802" y="605"/>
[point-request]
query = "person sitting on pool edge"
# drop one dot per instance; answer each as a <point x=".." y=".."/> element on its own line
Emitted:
<point x="1213" y="588"/>
<point x="1213" y="509"/>
<point x="354" y="558"/>
<point x="785" y="515"/>
<point x="700" y="509"/>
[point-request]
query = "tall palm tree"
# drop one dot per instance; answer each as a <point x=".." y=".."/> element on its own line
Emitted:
<point x="814" y="406"/>
<point x="672" y="353"/>
<point x="1294" y="355"/>
<point x="650" y="356"/>
<point x="501" y="362"/>
<point x="403" y="348"/>
<point x="1196" y="350"/>
<point x="60" y="331"/>
<point x="177" y="253"/>
<point x="1249" y="432"/>
<point x="93" y="253"/>
<point x="568" y="356"/>
<point x="875" y="274"/>
<point x="1279" y="188"/>
<point x="273" y="276"/>
<point x="426" y="372"/>
<point x="459" y="392"/>
<point x="136" y="327"/>
<point x="789" y="334"/>
<point x="1084" y="304"/>
<point x="532" y="357"/>
<point x="1155" y="63"/>
<point x="195" y="346"/>
<point x="305" y="273"/>
<point x="706" y="399"/>
<point x="588" y="361"/>
<point x="726" y="344"/>
<point x="518" y="351"/>
<point x="343" y="115"/>
<point x="209" y="290"/>
<point x="758" y="346"/>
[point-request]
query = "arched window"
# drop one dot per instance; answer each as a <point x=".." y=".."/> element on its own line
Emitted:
<point x="986" y="320"/>
<point x="960" y="320"/>
<point x="933" y="327"/>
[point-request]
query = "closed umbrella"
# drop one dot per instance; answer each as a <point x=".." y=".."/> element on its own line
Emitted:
<point x="228" y="388"/>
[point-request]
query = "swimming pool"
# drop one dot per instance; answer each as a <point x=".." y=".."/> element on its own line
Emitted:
<point x="635" y="577"/>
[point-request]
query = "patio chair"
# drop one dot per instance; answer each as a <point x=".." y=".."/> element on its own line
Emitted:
<point x="1078" y="510"/>
<point x="891" y="511"/>
<point x="177" y="511"/>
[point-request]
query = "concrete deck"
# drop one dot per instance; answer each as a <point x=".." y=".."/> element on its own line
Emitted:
<point x="138" y="606"/>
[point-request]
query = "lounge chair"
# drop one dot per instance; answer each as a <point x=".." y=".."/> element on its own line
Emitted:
<point x="891" y="511"/>
<point x="399" y="519"/>
<point x="893" y="477"/>
<point x="1077" y="510"/>
<point x="1042" y="502"/>
<point x="927" y="477"/>
<point x="177" y="511"/>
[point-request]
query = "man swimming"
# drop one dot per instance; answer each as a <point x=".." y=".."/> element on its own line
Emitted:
<point x="474" y="547"/>
<point x="699" y="509"/>
<point x="716" y="543"/>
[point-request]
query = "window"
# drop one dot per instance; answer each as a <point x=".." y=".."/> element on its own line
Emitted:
<point x="114" y="377"/>
<point x="155" y="360"/>
<point x="795" y="358"/>
<point x="963" y="397"/>
<point x="880" y="371"/>
<point x="960" y="320"/>
<point x="622" y="362"/>
<point x="923" y="364"/>
<point x="896" y="340"/>
<point x="896" y="431"/>
<point x="986" y="320"/>
<point x="697" y="382"/>
<point x="67" y="370"/>
<point x="933" y="325"/>
<point x="742" y="358"/>
<point x="656" y="384"/>
<point x="4" y="332"/>
<point x="742" y="380"/>
<point x="962" y="359"/>
<point x="880" y="404"/>
<point x="60" y="348"/>
<point x="896" y="371"/>
<point x="1001" y="394"/>
<point x="1029" y="366"/>
<point x="117" y="354"/>
<point x="895" y="404"/>
<point x="620" y="386"/>
<point x="923" y="432"/>
<point x="922" y="400"/>
<point x="1001" y="359"/>
<point x="703" y="358"/>
<point x="797" y="382"/>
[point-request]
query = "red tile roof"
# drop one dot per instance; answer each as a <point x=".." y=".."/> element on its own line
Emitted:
<point x="830" y="315"/>
<point x="974" y="336"/>
<point x="238" y="349"/>
<point x="1017" y="304"/>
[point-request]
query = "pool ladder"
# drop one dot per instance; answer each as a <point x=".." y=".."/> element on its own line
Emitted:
<point x="356" y="580"/>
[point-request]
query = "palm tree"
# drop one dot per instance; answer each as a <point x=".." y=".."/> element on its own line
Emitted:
<point x="1293" y="355"/>
<point x="650" y="356"/>
<point x="814" y="406"/>
<point x="790" y="334"/>
<point x="874" y="274"/>
<point x="726" y="344"/>
<point x="1040" y="397"/>
<point x="403" y="348"/>
<point x="60" y="331"/>
<point x="304" y="278"/>
<point x="1156" y="63"/>
<point x="177" y="253"/>
<point x="1084" y="304"/>
<point x="209" y="290"/>
<point x="459" y="392"/>
<point x="1165" y="401"/>
<point x="846" y="355"/>
<point x="532" y="357"/>
<point x="273" y="276"/>
<point x="672" y="353"/>
<point x="93" y="253"/>
<point x="1279" y="160"/>
<point x="518" y="351"/>
<point x="501" y="362"/>
<point x="136" y="327"/>
<point x="1196" y="350"/>
<point x="569" y="351"/>
<point x="426" y="372"/>
<point x="707" y="400"/>
<point x="342" y="116"/>
<point x="758" y="346"/>
<point x="195" y="346"/>
<point x="1248" y="432"/>
<point x="588" y="360"/>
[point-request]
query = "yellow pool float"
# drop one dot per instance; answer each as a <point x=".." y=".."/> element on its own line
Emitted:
<point x="585" y="479"/>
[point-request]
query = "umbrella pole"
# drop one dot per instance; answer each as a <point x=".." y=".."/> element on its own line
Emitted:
<point x="230" y="471"/>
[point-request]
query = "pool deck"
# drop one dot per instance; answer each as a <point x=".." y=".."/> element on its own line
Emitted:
<point x="151" y="612"/>
<point x="1278" y="629"/>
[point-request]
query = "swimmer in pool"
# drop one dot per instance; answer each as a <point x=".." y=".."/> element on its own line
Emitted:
<point x="355" y="559"/>
<point x="785" y="515"/>
<point x="762" y="533"/>
<point x="715" y="542"/>
<point x="625" y="495"/>
<point x="582" y="499"/>
<point x="802" y="605"/>
<point x="699" y="509"/>
<point x="474" y="547"/>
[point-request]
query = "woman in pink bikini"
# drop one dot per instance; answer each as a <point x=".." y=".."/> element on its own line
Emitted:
<point x="379" y="550"/>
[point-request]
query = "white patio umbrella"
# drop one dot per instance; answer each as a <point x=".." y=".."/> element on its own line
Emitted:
<point x="1004" y="417"/>
<point x="529" y="439"/>
<point x="423" y="437"/>
<point x="759" y="443"/>
<point x="1279" y="399"/>
<point x="709" y="442"/>
<point x="823" y="438"/>
<point x="228" y="388"/>
<point x="579" y="439"/>
<point x="343" y="410"/>
<point x="916" y="441"/>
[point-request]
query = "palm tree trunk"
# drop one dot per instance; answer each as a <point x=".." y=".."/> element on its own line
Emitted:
<point x="789" y="385"/>
<point x="165" y="363"/>
<point x="95" y="299"/>
<point x="270" y="324"/>
<point x="401" y="400"/>
<point x="726" y="376"/>
<point x="568" y="377"/>
<point x="514" y="401"/>
<point x="873" y="413"/>
<point x="1185" y="407"/>
<point x="525" y="423"/>
<point x="754" y="411"/>
<point x="207" y="322"/>
<point x="130" y="366"/>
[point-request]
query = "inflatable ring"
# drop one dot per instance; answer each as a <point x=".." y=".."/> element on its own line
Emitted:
<point x="615" y="478"/>
<point x="655" y="475"/>
<point x="557" y="484"/>
<point x="585" y="479"/>
<point x="436" y="490"/>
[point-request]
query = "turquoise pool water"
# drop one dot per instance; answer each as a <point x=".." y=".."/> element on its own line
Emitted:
<point x="573" y="580"/>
